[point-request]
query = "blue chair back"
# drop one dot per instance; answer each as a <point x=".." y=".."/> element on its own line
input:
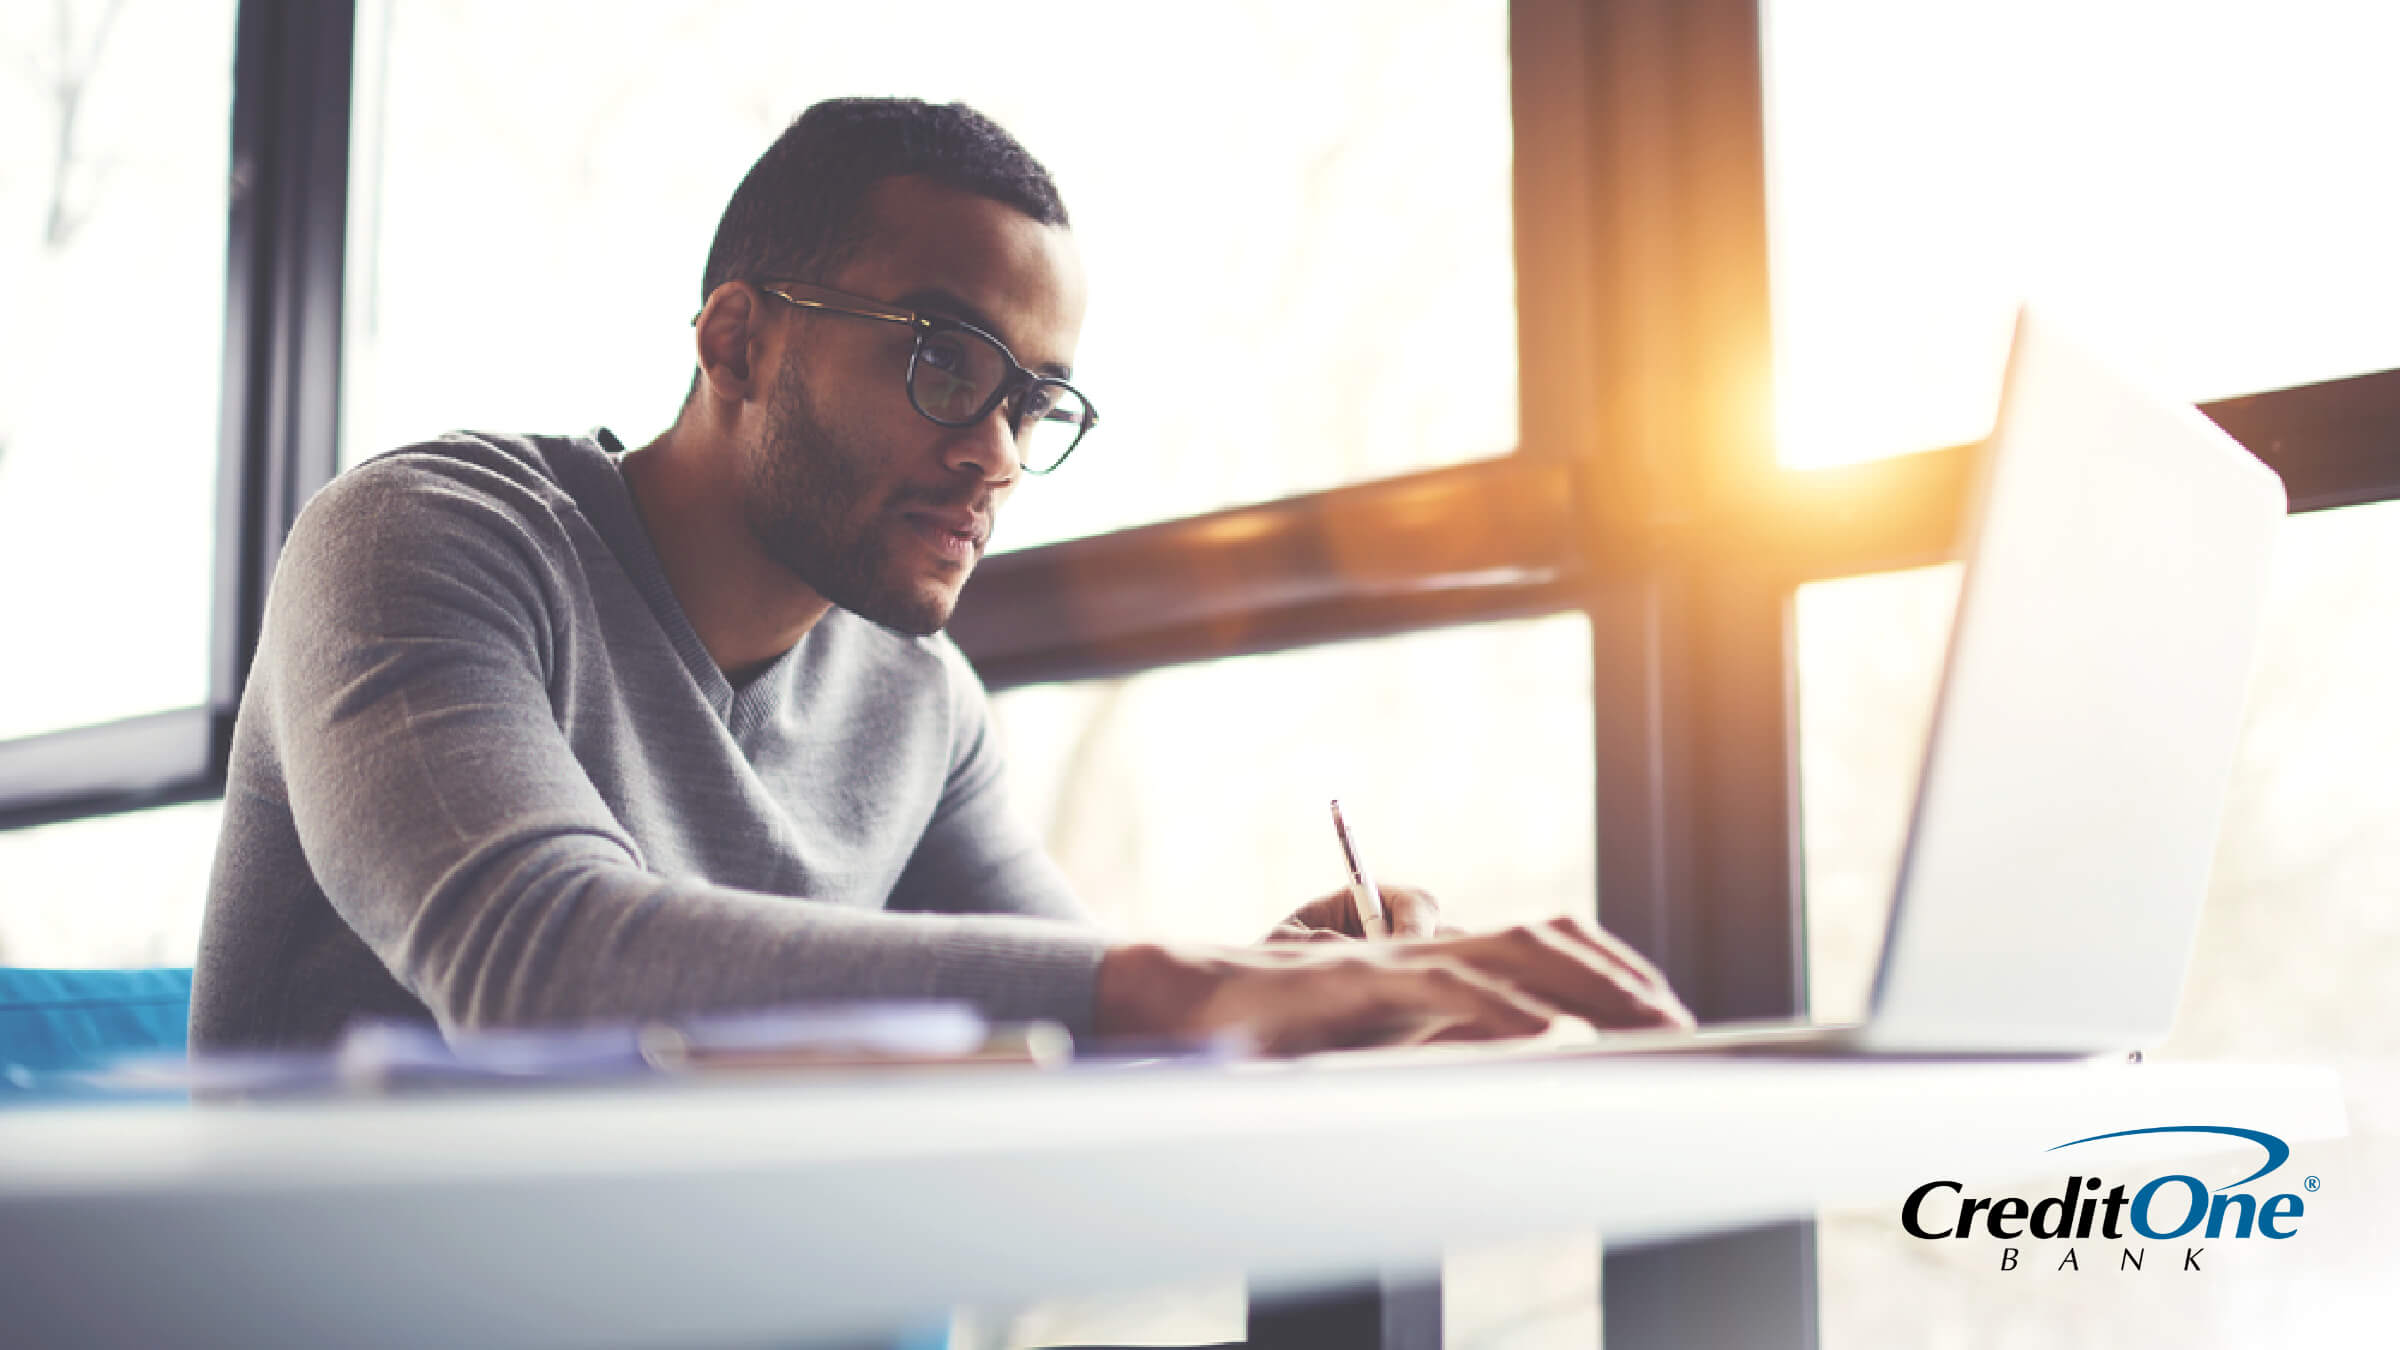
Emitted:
<point x="63" y="1020"/>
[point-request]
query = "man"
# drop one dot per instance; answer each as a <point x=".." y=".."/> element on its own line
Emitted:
<point x="539" y="731"/>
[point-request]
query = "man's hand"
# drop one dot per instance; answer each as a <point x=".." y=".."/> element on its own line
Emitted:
<point x="1409" y="911"/>
<point x="1295" y="998"/>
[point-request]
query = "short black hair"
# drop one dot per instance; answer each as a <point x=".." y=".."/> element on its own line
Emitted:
<point x="799" y="209"/>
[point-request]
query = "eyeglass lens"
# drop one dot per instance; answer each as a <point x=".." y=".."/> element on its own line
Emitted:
<point x="954" y="375"/>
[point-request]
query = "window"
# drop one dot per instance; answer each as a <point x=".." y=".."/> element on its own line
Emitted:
<point x="1870" y="662"/>
<point x="112" y="256"/>
<point x="2302" y="930"/>
<point x="1190" y="802"/>
<point x="531" y="211"/>
<point x="2191" y="182"/>
<point x="121" y="890"/>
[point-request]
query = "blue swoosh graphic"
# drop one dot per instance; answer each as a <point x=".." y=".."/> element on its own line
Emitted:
<point x="2277" y="1150"/>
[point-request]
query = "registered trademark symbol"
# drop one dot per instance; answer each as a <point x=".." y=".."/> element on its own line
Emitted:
<point x="2312" y="1183"/>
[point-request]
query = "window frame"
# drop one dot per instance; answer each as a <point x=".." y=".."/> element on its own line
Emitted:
<point x="286" y="203"/>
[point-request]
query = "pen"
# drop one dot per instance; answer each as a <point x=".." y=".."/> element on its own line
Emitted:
<point x="1363" y="894"/>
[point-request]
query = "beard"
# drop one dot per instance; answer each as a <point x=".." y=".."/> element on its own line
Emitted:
<point x="811" y="503"/>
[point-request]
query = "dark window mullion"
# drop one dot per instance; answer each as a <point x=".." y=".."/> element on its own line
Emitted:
<point x="1648" y="129"/>
<point x="283" y="312"/>
<point x="1692" y="723"/>
<point x="152" y="760"/>
<point x="1490" y="539"/>
<point x="2335" y="443"/>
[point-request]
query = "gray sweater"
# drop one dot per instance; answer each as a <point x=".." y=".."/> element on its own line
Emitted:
<point x="486" y="774"/>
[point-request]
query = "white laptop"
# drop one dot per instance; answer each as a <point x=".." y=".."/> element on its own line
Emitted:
<point x="2066" y="814"/>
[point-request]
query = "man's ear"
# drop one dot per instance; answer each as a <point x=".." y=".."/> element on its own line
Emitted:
<point x="726" y="340"/>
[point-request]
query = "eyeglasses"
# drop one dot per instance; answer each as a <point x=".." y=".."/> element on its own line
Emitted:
<point x="957" y="374"/>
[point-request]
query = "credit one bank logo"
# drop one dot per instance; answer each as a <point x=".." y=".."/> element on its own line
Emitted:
<point x="2175" y="1208"/>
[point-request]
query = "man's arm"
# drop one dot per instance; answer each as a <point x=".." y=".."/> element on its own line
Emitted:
<point x="405" y="662"/>
<point x="1437" y="983"/>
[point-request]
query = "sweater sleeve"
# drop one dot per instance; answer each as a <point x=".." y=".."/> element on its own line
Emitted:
<point x="443" y="813"/>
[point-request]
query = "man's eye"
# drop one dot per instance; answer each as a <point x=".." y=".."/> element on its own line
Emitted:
<point x="1036" y="403"/>
<point x="942" y="354"/>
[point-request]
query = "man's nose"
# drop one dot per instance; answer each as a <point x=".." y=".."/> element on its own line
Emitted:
<point x="989" y="448"/>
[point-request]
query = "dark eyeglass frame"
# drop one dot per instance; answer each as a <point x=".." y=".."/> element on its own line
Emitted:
<point x="1017" y="382"/>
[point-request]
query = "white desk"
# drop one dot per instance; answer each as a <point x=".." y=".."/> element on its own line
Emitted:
<point x="773" y="1212"/>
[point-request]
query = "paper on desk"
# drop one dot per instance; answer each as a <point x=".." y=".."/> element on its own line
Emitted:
<point x="376" y="1056"/>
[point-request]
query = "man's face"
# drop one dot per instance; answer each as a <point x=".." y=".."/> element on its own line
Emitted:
<point x="875" y="507"/>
